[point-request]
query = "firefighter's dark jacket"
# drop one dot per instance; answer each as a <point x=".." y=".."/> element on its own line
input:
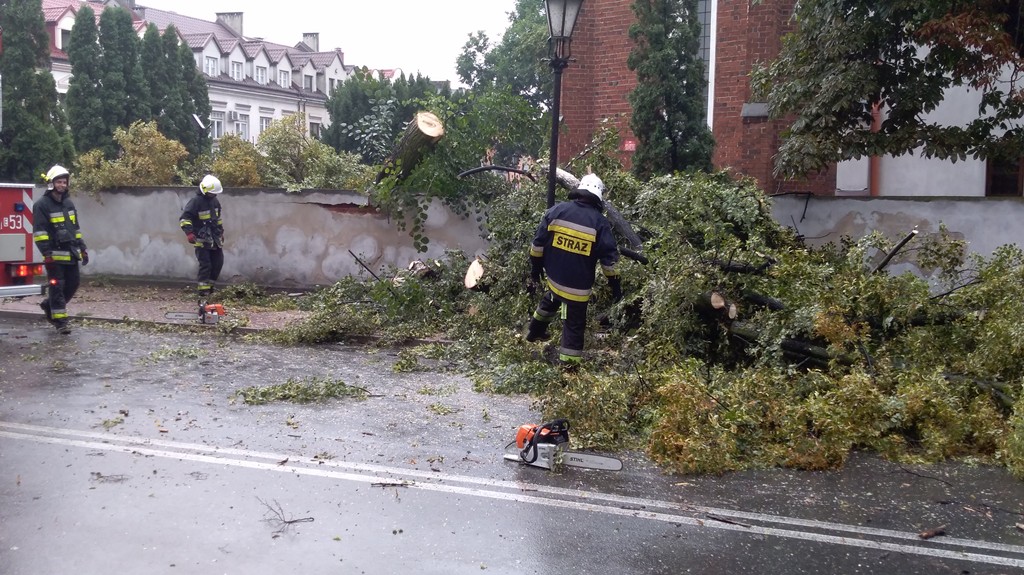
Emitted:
<point x="55" y="229"/>
<point x="202" y="217"/>
<point x="572" y="238"/>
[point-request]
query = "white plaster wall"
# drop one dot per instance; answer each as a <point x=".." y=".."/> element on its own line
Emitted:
<point x="272" y="237"/>
<point x="986" y="223"/>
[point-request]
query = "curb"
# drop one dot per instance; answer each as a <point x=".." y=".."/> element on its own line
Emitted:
<point x="38" y="316"/>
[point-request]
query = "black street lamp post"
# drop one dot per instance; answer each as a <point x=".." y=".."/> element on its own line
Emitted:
<point x="561" y="21"/>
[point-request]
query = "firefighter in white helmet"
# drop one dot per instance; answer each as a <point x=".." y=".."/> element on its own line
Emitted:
<point x="56" y="232"/>
<point x="204" y="229"/>
<point x="573" y="237"/>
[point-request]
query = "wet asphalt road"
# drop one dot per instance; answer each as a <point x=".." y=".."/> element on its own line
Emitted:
<point x="122" y="451"/>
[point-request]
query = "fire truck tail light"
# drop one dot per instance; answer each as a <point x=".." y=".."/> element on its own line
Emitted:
<point x="27" y="270"/>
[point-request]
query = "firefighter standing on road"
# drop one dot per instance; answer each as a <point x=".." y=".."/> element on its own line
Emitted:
<point x="58" y="237"/>
<point x="573" y="237"/>
<point x="204" y="229"/>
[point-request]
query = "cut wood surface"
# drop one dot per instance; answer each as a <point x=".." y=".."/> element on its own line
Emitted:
<point x="420" y="135"/>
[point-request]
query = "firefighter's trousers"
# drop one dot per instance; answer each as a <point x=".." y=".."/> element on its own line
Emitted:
<point x="211" y="260"/>
<point x="63" y="283"/>
<point x="574" y="324"/>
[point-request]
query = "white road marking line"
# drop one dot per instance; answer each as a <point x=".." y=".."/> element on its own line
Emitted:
<point x="139" y="446"/>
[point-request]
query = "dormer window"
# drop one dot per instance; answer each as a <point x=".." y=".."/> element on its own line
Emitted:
<point x="284" y="79"/>
<point x="261" y="75"/>
<point x="211" y="66"/>
<point x="236" y="71"/>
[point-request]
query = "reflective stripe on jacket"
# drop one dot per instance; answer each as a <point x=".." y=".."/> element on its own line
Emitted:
<point x="202" y="217"/>
<point x="571" y="239"/>
<point x="55" y="229"/>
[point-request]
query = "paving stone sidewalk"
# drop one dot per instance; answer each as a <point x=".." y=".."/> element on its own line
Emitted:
<point x="107" y="301"/>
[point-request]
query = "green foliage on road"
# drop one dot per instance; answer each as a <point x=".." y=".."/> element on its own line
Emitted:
<point x="300" y="390"/>
<point x="854" y="359"/>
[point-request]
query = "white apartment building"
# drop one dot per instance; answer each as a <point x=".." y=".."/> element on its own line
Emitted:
<point x="251" y="81"/>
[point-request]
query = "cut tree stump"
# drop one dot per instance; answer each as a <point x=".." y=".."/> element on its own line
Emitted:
<point x="420" y="135"/>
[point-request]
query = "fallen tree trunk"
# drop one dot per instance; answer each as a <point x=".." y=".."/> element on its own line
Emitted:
<point x="420" y="135"/>
<point x="795" y="346"/>
<point x="713" y="305"/>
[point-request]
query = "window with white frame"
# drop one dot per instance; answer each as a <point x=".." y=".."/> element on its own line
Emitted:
<point x="217" y="125"/>
<point x="242" y="126"/>
<point x="314" y="129"/>
<point x="261" y="75"/>
<point x="236" y="70"/>
<point x="284" y="78"/>
<point x="265" y="123"/>
<point x="211" y="66"/>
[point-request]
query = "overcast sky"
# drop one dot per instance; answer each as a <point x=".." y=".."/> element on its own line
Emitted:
<point x="424" y="36"/>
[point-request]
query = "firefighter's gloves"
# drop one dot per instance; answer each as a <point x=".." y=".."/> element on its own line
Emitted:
<point x="85" y="257"/>
<point x="616" y="284"/>
<point x="191" y="238"/>
<point x="531" y="286"/>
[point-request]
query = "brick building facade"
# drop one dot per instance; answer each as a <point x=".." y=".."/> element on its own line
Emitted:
<point x="596" y="86"/>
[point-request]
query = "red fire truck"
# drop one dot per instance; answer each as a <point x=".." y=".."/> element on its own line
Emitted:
<point x="20" y="261"/>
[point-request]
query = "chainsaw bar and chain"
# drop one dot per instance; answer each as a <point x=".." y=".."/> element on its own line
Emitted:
<point x="207" y="314"/>
<point x="545" y="446"/>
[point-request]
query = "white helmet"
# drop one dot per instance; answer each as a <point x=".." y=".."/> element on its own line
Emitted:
<point x="210" y="185"/>
<point x="592" y="184"/>
<point x="57" y="171"/>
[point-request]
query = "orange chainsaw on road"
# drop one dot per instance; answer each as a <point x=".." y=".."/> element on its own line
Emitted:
<point x="546" y="446"/>
<point x="209" y="313"/>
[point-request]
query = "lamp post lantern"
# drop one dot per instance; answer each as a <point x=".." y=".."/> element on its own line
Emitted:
<point x="561" y="21"/>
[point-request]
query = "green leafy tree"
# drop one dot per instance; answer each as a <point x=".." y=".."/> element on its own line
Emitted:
<point x="350" y="103"/>
<point x="669" y="101"/>
<point x="125" y="92"/>
<point x="362" y="100"/>
<point x="517" y="63"/>
<point x="146" y="158"/>
<point x="86" y="103"/>
<point x="34" y="134"/>
<point x="845" y="58"/>
<point x="238" y="163"/>
<point x="295" y="161"/>
<point x="374" y="133"/>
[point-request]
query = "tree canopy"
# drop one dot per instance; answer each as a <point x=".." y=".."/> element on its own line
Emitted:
<point x="517" y="63"/>
<point x="846" y="57"/>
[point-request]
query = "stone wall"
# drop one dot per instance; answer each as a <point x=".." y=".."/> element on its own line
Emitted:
<point x="273" y="237"/>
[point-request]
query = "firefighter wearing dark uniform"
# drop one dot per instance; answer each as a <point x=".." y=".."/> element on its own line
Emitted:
<point x="204" y="229"/>
<point x="573" y="237"/>
<point x="58" y="237"/>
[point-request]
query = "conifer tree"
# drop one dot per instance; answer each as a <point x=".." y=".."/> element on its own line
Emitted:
<point x="174" y="122"/>
<point x="197" y="101"/>
<point x="123" y="81"/>
<point x="155" y="64"/>
<point x="86" y="104"/>
<point x="34" y="134"/>
<point x="669" y="102"/>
